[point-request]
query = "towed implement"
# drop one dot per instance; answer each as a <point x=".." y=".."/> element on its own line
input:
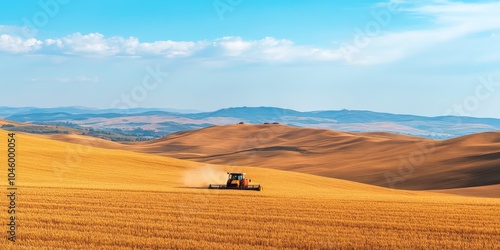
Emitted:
<point x="236" y="181"/>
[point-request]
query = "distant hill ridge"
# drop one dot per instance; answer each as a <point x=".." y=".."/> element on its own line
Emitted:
<point x="161" y="122"/>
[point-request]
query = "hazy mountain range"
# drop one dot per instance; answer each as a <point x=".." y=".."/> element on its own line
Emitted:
<point x="154" y="123"/>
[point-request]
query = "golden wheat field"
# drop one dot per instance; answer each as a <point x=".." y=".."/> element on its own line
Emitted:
<point x="73" y="196"/>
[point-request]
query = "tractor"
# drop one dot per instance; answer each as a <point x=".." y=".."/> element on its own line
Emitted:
<point x="236" y="181"/>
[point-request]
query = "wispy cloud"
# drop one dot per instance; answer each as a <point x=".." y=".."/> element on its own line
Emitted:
<point x="272" y="50"/>
<point x="451" y="22"/>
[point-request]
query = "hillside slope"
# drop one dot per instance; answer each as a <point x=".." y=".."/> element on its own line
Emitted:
<point x="51" y="163"/>
<point x="381" y="159"/>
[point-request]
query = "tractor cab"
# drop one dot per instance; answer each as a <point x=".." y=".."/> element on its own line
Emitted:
<point x="236" y="176"/>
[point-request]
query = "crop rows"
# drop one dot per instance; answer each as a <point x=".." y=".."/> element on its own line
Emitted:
<point x="64" y="218"/>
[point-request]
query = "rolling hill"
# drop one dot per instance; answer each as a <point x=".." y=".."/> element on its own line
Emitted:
<point x="73" y="196"/>
<point x="376" y="158"/>
<point x="382" y="159"/>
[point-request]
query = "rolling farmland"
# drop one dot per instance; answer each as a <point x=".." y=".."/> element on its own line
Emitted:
<point x="74" y="196"/>
<point x="382" y="159"/>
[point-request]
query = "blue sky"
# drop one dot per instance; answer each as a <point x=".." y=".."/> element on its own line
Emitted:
<point x="417" y="57"/>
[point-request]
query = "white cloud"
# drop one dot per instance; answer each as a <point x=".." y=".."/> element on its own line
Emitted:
<point x="170" y="49"/>
<point x="92" y="44"/>
<point x="271" y="50"/>
<point x="233" y="46"/>
<point x="12" y="41"/>
<point x="15" y="44"/>
<point x="96" y="44"/>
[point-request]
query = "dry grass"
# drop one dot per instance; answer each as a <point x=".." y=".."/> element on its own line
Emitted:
<point x="112" y="199"/>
